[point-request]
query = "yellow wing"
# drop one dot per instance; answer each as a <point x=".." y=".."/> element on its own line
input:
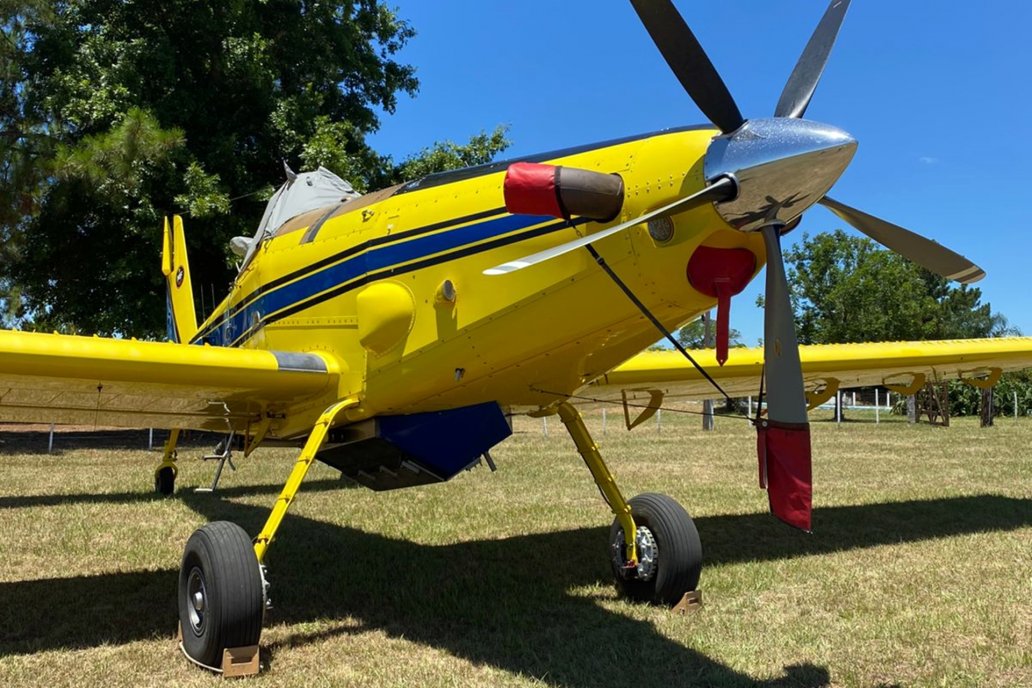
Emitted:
<point x="91" y="380"/>
<point x="901" y="366"/>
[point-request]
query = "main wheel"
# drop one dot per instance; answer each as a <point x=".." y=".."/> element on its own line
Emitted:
<point x="221" y="596"/>
<point x="165" y="481"/>
<point x="669" y="552"/>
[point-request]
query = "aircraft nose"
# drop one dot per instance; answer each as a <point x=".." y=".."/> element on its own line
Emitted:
<point x="782" y="167"/>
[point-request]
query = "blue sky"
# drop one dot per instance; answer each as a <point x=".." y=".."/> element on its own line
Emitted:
<point x="937" y="93"/>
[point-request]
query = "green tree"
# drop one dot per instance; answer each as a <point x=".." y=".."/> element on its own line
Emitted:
<point x="693" y="335"/>
<point x="132" y="109"/>
<point x="22" y="140"/>
<point x="848" y="289"/>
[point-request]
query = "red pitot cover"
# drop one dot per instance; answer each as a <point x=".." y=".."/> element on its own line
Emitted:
<point x="784" y="454"/>
<point x="721" y="272"/>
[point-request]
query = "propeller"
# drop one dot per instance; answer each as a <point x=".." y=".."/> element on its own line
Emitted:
<point x="782" y="166"/>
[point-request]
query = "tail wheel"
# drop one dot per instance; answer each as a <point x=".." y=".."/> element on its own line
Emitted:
<point x="165" y="481"/>
<point x="669" y="552"/>
<point x="221" y="596"/>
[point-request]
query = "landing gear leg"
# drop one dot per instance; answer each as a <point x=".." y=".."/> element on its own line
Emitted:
<point x="222" y="584"/>
<point x="655" y="551"/>
<point x="165" y="473"/>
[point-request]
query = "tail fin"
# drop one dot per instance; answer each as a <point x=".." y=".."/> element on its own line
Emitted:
<point x="182" y="318"/>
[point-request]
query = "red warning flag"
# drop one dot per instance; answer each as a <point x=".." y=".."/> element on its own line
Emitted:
<point x="785" y="470"/>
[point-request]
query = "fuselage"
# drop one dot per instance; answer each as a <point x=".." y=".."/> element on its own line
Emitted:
<point x="391" y="284"/>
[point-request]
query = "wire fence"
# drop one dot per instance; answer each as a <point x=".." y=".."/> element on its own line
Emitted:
<point x="602" y="420"/>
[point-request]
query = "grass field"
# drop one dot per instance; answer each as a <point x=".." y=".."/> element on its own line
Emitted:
<point x="919" y="570"/>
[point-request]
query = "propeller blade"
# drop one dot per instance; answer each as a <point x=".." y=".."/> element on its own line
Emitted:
<point x="719" y="190"/>
<point x="689" y="62"/>
<point x="786" y="398"/>
<point x="803" y="80"/>
<point x="921" y="250"/>
<point x="783" y="443"/>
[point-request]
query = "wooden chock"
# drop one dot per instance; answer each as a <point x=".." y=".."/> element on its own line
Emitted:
<point x="236" y="661"/>
<point x="240" y="661"/>
<point x="691" y="602"/>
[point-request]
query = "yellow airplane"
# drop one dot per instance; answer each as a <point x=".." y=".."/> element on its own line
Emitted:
<point x="392" y="335"/>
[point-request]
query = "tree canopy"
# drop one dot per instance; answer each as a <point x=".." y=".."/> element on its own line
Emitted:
<point x="849" y="289"/>
<point x="114" y="113"/>
<point x="693" y="335"/>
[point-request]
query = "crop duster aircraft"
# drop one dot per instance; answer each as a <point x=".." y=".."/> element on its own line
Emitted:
<point x="389" y="335"/>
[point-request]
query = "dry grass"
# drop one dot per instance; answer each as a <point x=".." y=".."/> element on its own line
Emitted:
<point x="918" y="572"/>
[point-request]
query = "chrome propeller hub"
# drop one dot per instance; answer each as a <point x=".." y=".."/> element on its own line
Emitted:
<point x="782" y="167"/>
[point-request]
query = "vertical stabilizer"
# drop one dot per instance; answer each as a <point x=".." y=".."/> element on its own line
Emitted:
<point x="182" y="318"/>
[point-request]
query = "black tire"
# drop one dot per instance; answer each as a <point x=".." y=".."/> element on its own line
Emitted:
<point x="679" y="560"/>
<point x="219" y="562"/>
<point x="165" y="481"/>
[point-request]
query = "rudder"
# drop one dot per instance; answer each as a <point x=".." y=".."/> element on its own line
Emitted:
<point x="182" y="316"/>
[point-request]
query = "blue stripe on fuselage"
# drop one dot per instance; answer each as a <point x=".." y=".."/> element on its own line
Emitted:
<point x="373" y="260"/>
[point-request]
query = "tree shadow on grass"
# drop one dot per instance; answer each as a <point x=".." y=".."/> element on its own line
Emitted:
<point x="505" y="602"/>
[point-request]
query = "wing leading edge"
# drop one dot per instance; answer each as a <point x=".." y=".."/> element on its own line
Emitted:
<point x="894" y="364"/>
<point x="56" y="378"/>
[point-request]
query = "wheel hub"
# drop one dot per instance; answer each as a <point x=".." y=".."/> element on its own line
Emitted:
<point x="648" y="554"/>
<point x="197" y="600"/>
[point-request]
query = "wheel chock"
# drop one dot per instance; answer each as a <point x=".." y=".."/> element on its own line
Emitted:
<point x="240" y="661"/>
<point x="237" y="662"/>
<point x="691" y="602"/>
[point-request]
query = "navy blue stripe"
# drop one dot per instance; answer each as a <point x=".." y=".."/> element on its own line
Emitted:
<point x="203" y="335"/>
<point x="384" y="261"/>
<point x="365" y="279"/>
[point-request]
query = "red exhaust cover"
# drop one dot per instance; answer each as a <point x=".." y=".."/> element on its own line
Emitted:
<point x="785" y="470"/>
<point x="531" y="188"/>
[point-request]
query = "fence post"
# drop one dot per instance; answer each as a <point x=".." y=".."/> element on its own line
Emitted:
<point x="50" y="442"/>
<point x="659" y="420"/>
<point x="877" y="406"/>
<point x="544" y="425"/>
<point x="603" y="421"/>
<point x="1015" y="405"/>
<point x="985" y="410"/>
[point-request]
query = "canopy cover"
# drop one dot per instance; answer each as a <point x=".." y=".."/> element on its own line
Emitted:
<point x="299" y="194"/>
